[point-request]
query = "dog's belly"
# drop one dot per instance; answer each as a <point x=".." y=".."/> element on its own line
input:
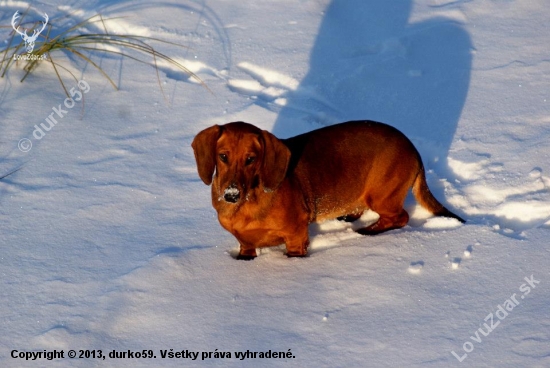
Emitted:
<point x="329" y="210"/>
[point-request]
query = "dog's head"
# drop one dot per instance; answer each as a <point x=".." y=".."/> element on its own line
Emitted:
<point x="242" y="156"/>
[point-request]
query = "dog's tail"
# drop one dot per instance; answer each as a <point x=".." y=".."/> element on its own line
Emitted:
<point x="427" y="200"/>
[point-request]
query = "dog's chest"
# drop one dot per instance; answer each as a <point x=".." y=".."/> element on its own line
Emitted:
<point x="240" y="217"/>
<point x="249" y="231"/>
<point x="250" y="225"/>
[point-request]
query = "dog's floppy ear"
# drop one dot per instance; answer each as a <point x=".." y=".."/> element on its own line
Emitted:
<point x="275" y="161"/>
<point x="204" y="147"/>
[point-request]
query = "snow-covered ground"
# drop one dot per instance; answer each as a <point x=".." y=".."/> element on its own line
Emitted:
<point x="109" y="241"/>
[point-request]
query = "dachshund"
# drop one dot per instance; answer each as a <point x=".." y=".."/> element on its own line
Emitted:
<point x="268" y="190"/>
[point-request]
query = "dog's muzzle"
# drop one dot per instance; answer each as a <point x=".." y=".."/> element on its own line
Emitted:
<point x="232" y="194"/>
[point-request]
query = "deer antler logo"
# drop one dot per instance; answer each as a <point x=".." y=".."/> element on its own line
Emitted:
<point x="29" y="40"/>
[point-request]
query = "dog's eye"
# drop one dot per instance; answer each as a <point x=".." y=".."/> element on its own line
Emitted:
<point x="249" y="160"/>
<point x="223" y="157"/>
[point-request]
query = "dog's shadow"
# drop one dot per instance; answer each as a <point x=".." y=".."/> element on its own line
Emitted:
<point x="369" y="61"/>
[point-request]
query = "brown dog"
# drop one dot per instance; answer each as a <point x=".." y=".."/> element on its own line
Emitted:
<point x="267" y="190"/>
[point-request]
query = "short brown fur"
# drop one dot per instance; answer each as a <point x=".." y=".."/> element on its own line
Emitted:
<point x="267" y="190"/>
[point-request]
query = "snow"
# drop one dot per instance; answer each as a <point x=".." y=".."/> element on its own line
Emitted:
<point x="109" y="240"/>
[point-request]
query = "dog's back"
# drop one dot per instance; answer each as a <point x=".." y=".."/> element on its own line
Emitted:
<point x="343" y="168"/>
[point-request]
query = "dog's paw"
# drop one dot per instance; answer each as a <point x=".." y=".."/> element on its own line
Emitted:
<point x="296" y="255"/>
<point x="244" y="257"/>
<point x="367" y="232"/>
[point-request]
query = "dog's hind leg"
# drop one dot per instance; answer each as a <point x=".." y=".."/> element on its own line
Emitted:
<point x="387" y="200"/>
<point x="385" y="223"/>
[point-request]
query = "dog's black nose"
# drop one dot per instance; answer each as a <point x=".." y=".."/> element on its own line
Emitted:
<point x="232" y="194"/>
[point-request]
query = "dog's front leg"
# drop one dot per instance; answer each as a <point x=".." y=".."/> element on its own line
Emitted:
<point x="246" y="252"/>
<point x="297" y="244"/>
